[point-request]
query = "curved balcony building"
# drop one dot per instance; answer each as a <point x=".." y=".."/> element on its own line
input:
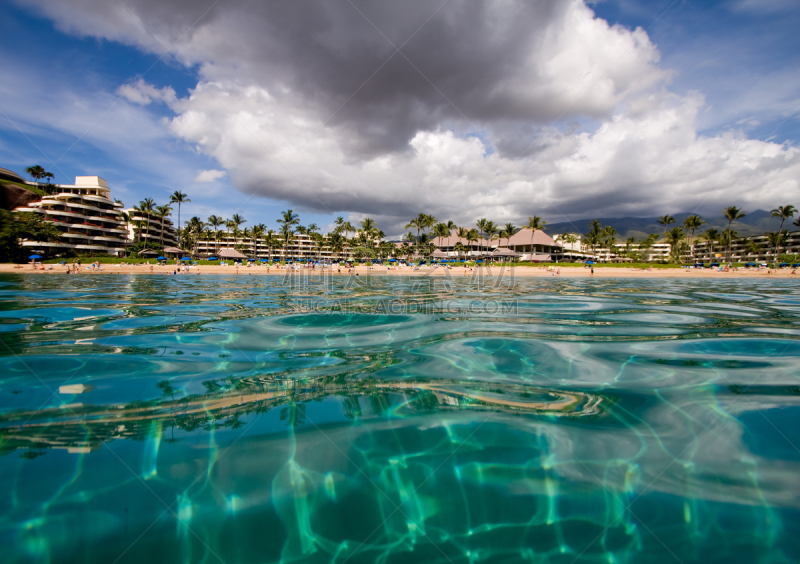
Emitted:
<point x="89" y="220"/>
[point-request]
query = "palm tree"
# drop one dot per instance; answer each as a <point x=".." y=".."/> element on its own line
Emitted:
<point x="288" y="220"/>
<point x="535" y="223"/>
<point x="783" y="212"/>
<point x="336" y="242"/>
<point x="36" y="172"/>
<point x="726" y="236"/>
<point x="691" y="223"/>
<point x="775" y="240"/>
<point x="752" y="247"/>
<point x="215" y="221"/>
<point x="347" y="227"/>
<point x="491" y="232"/>
<point x="609" y="236"/>
<point x="593" y="237"/>
<point x="237" y="221"/>
<point x="246" y="234"/>
<point x="459" y="248"/>
<point x="163" y="212"/>
<point x="674" y="237"/>
<point x="473" y="236"/>
<point x="257" y="232"/>
<point x="731" y="213"/>
<point x="441" y="230"/>
<point x="229" y="224"/>
<point x="568" y="238"/>
<point x="270" y="243"/>
<point x="481" y="225"/>
<point x="49" y="176"/>
<point x="666" y="220"/>
<point x="194" y="229"/>
<point x="418" y="222"/>
<point x="510" y="230"/>
<point x="147" y="206"/>
<point x="711" y="236"/>
<point x="368" y="227"/>
<point x="179" y="198"/>
<point x="137" y="225"/>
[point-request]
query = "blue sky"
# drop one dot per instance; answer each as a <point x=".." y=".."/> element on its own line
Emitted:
<point x="725" y="71"/>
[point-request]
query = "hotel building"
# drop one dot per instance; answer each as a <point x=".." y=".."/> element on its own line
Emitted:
<point x="541" y="247"/>
<point x="301" y="246"/>
<point x="150" y="227"/>
<point x="89" y="220"/>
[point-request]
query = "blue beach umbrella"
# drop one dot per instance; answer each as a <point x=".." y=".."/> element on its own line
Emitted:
<point x="161" y="258"/>
<point x="392" y="260"/>
<point x="213" y="258"/>
<point x="589" y="262"/>
<point x="795" y="265"/>
<point x="251" y="260"/>
<point x="186" y="258"/>
<point x="749" y="264"/>
<point x="463" y="260"/>
<point x="783" y="265"/>
<point x="477" y="261"/>
<point x="63" y="262"/>
<point x="34" y="257"/>
<point x="264" y="260"/>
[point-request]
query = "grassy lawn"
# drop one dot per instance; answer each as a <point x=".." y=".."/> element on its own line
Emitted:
<point x="643" y="265"/>
<point x="116" y="260"/>
<point x="34" y="189"/>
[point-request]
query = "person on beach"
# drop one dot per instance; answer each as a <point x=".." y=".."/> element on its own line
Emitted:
<point x="592" y="272"/>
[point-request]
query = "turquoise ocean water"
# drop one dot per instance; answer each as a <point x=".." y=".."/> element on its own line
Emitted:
<point x="259" y="419"/>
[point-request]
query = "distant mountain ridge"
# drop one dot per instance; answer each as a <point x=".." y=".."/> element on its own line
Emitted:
<point x="756" y="222"/>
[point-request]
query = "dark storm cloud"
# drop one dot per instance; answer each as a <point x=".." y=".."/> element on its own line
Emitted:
<point x="460" y="63"/>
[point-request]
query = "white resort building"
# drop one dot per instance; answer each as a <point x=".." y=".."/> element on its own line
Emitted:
<point x="150" y="227"/>
<point x="301" y="246"/>
<point x="89" y="221"/>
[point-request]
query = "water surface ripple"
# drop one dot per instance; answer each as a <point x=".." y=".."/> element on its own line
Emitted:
<point x="258" y="419"/>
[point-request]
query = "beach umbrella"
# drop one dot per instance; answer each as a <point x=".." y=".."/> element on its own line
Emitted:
<point x="477" y="261"/>
<point x="463" y="260"/>
<point x="161" y="258"/>
<point x="251" y="260"/>
<point x="795" y="265"/>
<point x="212" y="258"/>
<point x="589" y="262"/>
<point x="392" y="260"/>
<point x="34" y="257"/>
<point x="783" y="265"/>
<point x="63" y="262"/>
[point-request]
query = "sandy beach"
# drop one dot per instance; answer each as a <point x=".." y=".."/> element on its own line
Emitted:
<point x="523" y="271"/>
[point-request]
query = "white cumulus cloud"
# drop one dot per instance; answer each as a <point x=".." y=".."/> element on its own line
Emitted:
<point x="205" y="176"/>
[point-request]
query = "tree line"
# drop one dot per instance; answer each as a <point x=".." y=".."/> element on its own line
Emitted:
<point x="681" y="239"/>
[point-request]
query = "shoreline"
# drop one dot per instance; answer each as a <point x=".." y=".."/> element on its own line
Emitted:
<point x="457" y="272"/>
